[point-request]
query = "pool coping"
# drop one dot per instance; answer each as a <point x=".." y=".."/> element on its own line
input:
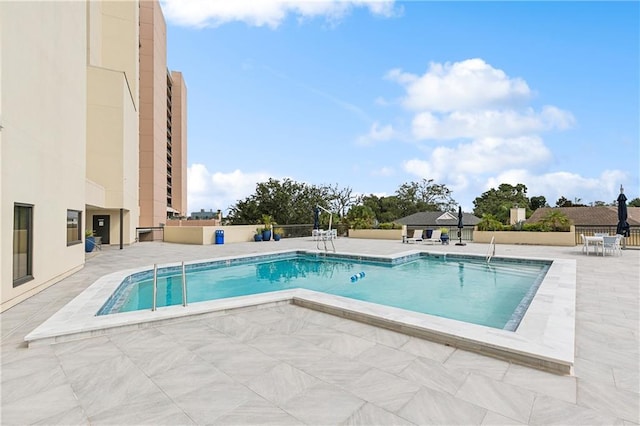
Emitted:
<point x="544" y="339"/>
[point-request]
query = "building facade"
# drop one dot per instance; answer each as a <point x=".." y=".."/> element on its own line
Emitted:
<point x="163" y="159"/>
<point x="70" y="150"/>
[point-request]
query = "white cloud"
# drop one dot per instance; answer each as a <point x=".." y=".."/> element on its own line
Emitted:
<point x="270" y="13"/>
<point x="466" y="85"/>
<point x="605" y="187"/>
<point x="471" y="99"/>
<point x="383" y="171"/>
<point x="218" y="190"/>
<point x="377" y="133"/>
<point x="479" y="157"/>
<point x="488" y="123"/>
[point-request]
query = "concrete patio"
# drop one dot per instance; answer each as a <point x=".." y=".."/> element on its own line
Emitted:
<point x="289" y="365"/>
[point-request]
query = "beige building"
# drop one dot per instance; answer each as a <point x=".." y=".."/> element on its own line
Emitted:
<point x="70" y="146"/>
<point x="163" y="156"/>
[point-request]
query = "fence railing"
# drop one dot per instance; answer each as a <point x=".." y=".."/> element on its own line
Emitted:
<point x="633" y="240"/>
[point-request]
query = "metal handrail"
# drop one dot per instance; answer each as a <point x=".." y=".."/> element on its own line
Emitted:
<point x="155" y="287"/>
<point x="490" y="252"/>
<point x="184" y="286"/>
<point x="154" y="303"/>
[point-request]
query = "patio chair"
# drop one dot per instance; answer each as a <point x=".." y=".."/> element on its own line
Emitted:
<point x="612" y="245"/>
<point x="435" y="237"/>
<point x="417" y="236"/>
<point x="585" y="245"/>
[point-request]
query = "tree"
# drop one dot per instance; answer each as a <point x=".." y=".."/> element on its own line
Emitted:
<point x="341" y="199"/>
<point x="360" y="217"/>
<point x="537" y="202"/>
<point x="563" y="202"/>
<point x="634" y="203"/>
<point x="386" y="209"/>
<point x="498" y="202"/>
<point x="555" y="220"/>
<point x="421" y="196"/>
<point x="288" y="202"/>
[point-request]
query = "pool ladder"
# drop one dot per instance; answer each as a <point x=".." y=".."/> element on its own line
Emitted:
<point x="492" y="249"/>
<point x="155" y="287"/>
<point x="327" y="235"/>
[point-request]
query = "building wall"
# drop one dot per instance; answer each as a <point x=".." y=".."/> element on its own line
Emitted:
<point x="42" y="154"/>
<point x="112" y="115"/>
<point x="153" y="115"/>
<point x="179" y="143"/>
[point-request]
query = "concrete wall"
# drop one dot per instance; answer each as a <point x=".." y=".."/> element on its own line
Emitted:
<point x="112" y="115"/>
<point x="524" y="237"/>
<point x="42" y="154"/>
<point x="204" y="235"/>
<point x="376" y="234"/>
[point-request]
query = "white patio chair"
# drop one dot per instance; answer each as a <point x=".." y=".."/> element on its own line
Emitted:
<point x="417" y="236"/>
<point x="585" y="245"/>
<point x="611" y="245"/>
<point x="435" y="237"/>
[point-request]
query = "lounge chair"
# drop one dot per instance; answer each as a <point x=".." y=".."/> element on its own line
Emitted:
<point x="435" y="237"/>
<point x="417" y="236"/>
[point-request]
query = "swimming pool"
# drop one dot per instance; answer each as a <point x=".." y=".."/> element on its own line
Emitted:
<point x="458" y="287"/>
<point x="545" y="337"/>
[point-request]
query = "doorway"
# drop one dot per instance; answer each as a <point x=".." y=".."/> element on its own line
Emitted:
<point x="101" y="227"/>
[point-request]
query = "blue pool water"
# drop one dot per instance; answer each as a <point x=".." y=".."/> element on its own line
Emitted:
<point x="463" y="288"/>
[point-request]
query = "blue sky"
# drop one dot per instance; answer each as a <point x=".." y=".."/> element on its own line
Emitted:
<point x="373" y="94"/>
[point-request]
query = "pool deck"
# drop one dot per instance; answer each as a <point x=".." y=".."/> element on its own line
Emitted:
<point x="285" y="364"/>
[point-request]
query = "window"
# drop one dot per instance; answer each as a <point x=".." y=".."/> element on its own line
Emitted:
<point x="22" y="243"/>
<point x="74" y="222"/>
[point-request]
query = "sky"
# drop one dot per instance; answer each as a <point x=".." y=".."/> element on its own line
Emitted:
<point x="369" y="95"/>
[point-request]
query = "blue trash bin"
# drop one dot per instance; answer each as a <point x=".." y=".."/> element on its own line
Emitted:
<point x="219" y="236"/>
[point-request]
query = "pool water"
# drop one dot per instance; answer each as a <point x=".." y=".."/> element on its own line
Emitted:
<point x="463" y="288"/>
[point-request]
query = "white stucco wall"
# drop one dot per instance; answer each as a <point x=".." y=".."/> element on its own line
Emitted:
<point x="43" y="101"/>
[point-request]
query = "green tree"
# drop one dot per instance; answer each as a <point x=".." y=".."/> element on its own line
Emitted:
<point x="422" y="196"/>
<point x="489" y="223"/>
<point x="341" y="199"/>
<point x="360" y="217"/>
<point x="634" y="203"/>
<point x="386" y="209"/>
<point x="537" y="202"/>
<point x="563" y="202"/>
<point x="498" y="202"/>
<point x="555" y="220"/>
<point x="287" y="202"/>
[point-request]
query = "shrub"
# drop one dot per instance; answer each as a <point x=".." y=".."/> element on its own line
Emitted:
<point x="555" y="220"/>
<point x="389" y="225"/>
<point x="489" y="223"/>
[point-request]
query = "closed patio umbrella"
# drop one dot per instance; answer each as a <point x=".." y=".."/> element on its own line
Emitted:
<point x="623" y="226"/>
<point x="460" y="226"/>
<point x="316" y="218"/>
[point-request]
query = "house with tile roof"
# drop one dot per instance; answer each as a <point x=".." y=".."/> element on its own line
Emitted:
<point x="600" y="216"/>
<point x="434" y="220"/>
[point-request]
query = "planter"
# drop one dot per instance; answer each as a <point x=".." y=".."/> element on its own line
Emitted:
<point x="276" y="237"/>
<point x="444" y="238"/>
<point x="257" y="237"/>
<point x="89" y="244"/>
<point x="266" y="235"/>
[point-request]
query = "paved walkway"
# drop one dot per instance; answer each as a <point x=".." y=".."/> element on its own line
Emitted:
<point x="290" y="365"/>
